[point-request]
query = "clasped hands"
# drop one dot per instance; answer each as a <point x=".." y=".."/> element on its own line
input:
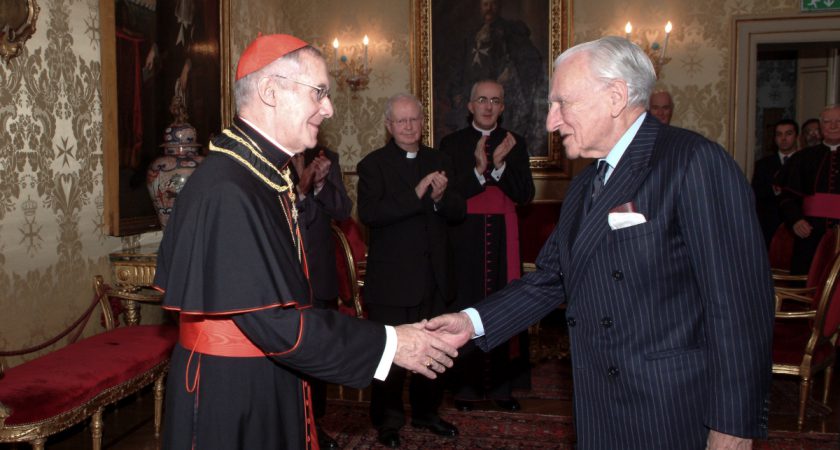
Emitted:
<point x="437" y="181"/>
<point x="312" y="175"/>
<point x="428" y="347"/>
<point x="499" y="153"/>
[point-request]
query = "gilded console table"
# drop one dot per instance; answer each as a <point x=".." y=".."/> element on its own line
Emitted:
<point x="134" y="273"/>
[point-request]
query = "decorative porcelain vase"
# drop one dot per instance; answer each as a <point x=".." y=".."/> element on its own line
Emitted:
<point x="168" y="173"/>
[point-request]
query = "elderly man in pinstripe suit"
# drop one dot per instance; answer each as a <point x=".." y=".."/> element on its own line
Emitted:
<point x="660" y="261"/>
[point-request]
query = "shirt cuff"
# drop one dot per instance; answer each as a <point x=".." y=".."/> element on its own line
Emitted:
<point x="497" y="173"/>
<point x="479" y="176"/>
<point x="476" y="322"/>
<point x="387" y="355"/>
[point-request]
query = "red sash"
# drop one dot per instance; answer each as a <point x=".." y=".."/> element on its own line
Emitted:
<point x="494" y="201"/>
<point x="216" y="336"/>
<point x="822" y="205"/>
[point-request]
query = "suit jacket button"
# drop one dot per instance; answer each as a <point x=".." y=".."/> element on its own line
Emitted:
<point x="571" y="321"/>
<point x="618" y="275"/>
<point x="606" y="322"/>
<point x="612" y="371"/>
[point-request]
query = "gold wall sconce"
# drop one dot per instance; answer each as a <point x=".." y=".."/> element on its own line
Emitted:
<point x="655" y="52"/>
<point x="351" y="70"/>
<point x="17" y="25"/>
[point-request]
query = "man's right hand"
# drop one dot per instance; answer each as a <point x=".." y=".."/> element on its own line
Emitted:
<point x="421" y="352"/>
<point x="456" y="329"/>
<point x="802" y="228"/>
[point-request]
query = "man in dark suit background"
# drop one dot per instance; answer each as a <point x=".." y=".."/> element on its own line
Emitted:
<point x="659" y="259"/>
<point x="764" y="173"/>
<point x="404" y="200"/>
<point x="321" y="198"/>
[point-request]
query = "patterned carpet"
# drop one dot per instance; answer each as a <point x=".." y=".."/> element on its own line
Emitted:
<point x="348" y="422"/>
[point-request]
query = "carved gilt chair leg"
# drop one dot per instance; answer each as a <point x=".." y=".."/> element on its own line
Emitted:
<point x="38" y="444"/>
<point x="158" y="403"/>
<point x="96" y="429"/>
<point x="804" y="390"/>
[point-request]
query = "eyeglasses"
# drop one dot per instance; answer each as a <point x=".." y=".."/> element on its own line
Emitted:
<point x="493" y="100"/>
<point x="404" y="122"/>
<point x="321" y="92"/>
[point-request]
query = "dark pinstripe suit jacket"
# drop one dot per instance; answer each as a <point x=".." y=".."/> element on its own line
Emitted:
<point x="670" y="321"/>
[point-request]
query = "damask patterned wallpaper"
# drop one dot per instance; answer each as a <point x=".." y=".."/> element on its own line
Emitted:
<point x="52" y="239"/>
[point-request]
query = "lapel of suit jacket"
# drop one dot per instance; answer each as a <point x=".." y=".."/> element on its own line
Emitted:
<point x="623" y="183"/>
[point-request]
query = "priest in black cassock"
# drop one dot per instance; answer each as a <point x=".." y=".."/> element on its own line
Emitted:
<point x="812" y="170"/>
<point x="492" y="171"/>
<point x="232" y="263"/>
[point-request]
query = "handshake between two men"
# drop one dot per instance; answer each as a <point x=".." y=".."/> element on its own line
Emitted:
<point x="428" y="347"/>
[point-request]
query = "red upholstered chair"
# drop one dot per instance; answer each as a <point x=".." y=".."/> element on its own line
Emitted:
<point x="781" y="250"/>
<point x="804" y="340"/>
<point x="358" y="246"/>
<point x="803" y="288"/>
<point x="347" y="265"/>
<point x="536" y="222"/>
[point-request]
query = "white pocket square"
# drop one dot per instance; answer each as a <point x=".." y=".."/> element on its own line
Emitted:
<point x="618" y="220"/>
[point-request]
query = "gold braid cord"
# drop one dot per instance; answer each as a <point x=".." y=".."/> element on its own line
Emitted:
<point x="285" y="174"/>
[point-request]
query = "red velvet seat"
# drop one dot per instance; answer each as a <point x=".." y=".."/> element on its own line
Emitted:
<point x="71" y="376"/>
<point x="808" y="285"/>
<point x="55" y="391"/>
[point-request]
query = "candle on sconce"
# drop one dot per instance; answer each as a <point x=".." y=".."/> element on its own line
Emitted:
<point x="627" y="30"/>
<point x="365" y="41"/>
<point x="668" y="28"/>
<point x="335" y="54"/>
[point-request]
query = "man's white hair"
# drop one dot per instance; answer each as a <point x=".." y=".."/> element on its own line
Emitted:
<point x="616" y="58"/>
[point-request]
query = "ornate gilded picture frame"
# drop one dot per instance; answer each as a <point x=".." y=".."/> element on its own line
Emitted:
<point x="17" y="25"/>
<point x="457" y="43"/>
<point x="150" y="52"/>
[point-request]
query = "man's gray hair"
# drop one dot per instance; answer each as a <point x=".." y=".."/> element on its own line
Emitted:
<point x="616" y="58"/>
<point x="288" y="64"/>
<point x="389" y="105"/>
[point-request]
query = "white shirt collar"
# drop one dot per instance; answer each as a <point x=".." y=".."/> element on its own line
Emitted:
<point x="614" y="156"/>
<point x="267" y="137"/>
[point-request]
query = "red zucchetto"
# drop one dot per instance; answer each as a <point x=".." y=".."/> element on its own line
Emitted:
<point x="264" y="50"/>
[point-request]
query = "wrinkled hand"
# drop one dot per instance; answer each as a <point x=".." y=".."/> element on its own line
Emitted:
<point x="502" y="150"/>
<point x="439" y="183"/>
<point x="480" y="155"/>
<point x="720" y="441"/>
<point x="802" y="228"/>
<point x="421" y="352"/>
<point x="322" y="168"/>
<point x="455" y="329"/>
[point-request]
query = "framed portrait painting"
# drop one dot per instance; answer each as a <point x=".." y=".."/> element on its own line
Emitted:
<point x="512" y="42"/>
<point x="152" y="53"/>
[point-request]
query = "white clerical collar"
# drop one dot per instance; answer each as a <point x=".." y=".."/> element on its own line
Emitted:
<point x="410" y="155"/>
<point x="482" y="130"/>
<point x="833" y="148"/>
<point x="267" y="137"/>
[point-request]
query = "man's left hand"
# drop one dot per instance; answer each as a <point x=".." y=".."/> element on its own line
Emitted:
<point x="438" y="183"/>
<point x="321" y="166"/>
<point x="502" y="150"/>
<point x="720" y="441"/>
